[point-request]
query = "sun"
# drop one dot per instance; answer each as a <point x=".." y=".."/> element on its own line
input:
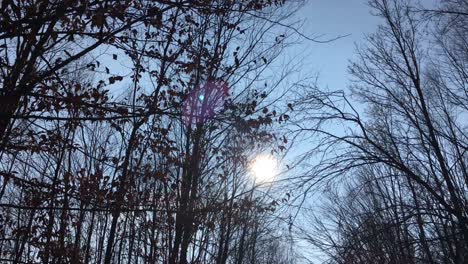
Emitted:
<point x="264" y="169"/>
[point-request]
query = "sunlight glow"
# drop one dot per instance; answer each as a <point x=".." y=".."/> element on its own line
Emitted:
<point x="264" y="169"/>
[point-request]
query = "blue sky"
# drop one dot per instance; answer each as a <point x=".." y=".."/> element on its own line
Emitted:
<point x="335" y="18"/>
<point x="330" y="18"/>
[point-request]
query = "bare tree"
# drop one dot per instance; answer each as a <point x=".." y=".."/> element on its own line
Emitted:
<point x="147" y="166"/>
<point x="404" y="156"/>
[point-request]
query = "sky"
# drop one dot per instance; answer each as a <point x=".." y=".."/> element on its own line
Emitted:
<point x="334" y="18"/>
<point x="329" y="19"/>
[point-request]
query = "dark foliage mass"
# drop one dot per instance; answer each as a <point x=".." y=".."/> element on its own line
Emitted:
<point x="125" y="128"/>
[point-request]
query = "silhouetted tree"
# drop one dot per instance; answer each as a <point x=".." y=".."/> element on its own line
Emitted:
<point x="404" y="157"/>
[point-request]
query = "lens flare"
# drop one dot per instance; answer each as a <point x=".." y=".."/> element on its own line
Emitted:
<point x="204" y="102"/>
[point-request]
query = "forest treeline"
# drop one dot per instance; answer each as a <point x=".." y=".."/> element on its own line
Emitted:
<point x="397" y="174"/>
<point x="127" y="128"/>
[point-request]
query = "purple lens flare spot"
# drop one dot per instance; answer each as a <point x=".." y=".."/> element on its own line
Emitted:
<point x="204" y="102"/>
